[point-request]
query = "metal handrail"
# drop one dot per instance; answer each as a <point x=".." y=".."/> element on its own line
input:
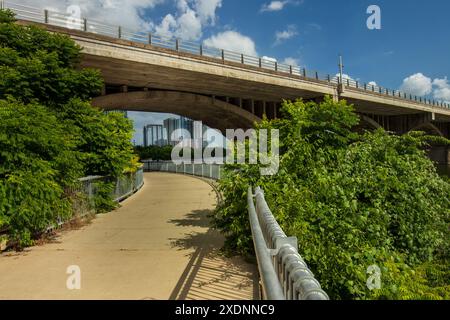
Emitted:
<point x="270" y="285"/>
<point x="278" y="258"/>
<point x="210" y="171"/>
<point x="93" y="26"/>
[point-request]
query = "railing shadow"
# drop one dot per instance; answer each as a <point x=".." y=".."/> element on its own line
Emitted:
<point x="208" y="274"/>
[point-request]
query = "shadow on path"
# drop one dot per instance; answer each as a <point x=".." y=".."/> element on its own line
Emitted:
<point x="208" y="274"/>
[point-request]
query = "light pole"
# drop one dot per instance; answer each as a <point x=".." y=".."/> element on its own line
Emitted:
<point x="341" y="69"/>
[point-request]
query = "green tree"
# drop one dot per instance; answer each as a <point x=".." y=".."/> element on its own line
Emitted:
<point x="38" y="162"/>
<point x="50" y="135"/>
<point x="353" y="200"/>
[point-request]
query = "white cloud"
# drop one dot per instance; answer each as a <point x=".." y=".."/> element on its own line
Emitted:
<point x="190" y="19"/>
<point x="372" y="83"/>
<point x="274" y="6"/>
<point x="344" y="77"/>
<point x="420" y="85"/>
<point x="233" y="41"/>
<point x="278" y="5"/>
<point x="291" y="61"/>
<point x="441" y="89"/>
<point x="281" y="36"/>
<point x="188" y="22"/>
<point x="417" y="84"/>
<point x="206" y="10"/>
<point x="270" y="59"/>
<point x="112" y="12"/>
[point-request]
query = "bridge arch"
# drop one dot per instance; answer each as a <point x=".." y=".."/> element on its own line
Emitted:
<point x="368" y="122"/>
<point x="428" y="128"/>
<point x="214" y="113"/>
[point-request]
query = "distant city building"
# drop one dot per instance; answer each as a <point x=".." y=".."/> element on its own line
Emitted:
<point x="174" y="130"/>
<point x="178" y="129"/>
<point x="154" y="135"/>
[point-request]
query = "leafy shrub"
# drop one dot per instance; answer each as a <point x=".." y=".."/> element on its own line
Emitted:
<point x="49" y="135"/>
<point x="353" y="200"/>
<point x="37" y="162"/>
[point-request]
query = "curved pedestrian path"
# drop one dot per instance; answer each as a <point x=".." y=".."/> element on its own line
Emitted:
<point x="157" y="245"/>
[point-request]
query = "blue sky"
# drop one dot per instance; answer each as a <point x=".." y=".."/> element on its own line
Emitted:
<point x="415" y="35"/>
<point x="411" y="51"/>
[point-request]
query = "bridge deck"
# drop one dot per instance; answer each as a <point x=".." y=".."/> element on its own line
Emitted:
<point x="158" y="245"/>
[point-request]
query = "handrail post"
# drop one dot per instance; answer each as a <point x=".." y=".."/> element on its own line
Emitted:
<point x="119" y="31"/>
<point x="201" y="50"/>
<point x="46" y="16"/>
<point x="177" y="45"/>
<point x="85" y="25"/>
<point x="223" y="55"/>
<point x="149" y="38"/>
<point x="242" y="58"/>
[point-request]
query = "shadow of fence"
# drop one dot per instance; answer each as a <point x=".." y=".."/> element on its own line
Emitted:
<point x="209" y="275"/>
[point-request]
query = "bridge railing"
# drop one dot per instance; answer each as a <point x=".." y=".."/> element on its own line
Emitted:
<point x="210" y="171"/>
<point x="124" y="186"/>
<point x="264" y="63"/>
<point x="283" y="272"/>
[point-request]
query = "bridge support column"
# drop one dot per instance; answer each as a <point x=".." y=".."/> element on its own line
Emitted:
<point x="448" y="156"/>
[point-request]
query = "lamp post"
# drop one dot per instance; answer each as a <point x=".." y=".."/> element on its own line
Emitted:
<point x="341" y="69"/>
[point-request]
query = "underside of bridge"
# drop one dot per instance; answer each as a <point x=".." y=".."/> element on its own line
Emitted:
<point x="212" y="111"/>
<point x="222" y="112"/>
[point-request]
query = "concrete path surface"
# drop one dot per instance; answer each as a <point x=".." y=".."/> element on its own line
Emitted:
<point x="157" y="245"/>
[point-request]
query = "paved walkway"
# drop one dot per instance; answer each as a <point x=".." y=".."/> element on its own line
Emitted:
<point x="158" y="245"/>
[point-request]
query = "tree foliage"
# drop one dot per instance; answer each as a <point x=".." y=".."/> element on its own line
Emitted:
<point x="154" y="152"/>
<point x="353" y="200"/>
<point x="50" y="135"/>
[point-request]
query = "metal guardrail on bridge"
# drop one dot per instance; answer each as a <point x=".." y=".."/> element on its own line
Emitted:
<point x="65" y="20"/>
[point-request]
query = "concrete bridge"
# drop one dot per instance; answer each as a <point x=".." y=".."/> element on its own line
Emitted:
<point x="229" y="94"/>
<point x="145" y="72"/>
<point x="157" y="245"/>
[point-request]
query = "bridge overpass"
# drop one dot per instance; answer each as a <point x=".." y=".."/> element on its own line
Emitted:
<point x="147" y="72"/>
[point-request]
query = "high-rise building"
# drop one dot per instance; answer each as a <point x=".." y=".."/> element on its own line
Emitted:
<point x="178" y="129"/>
<point x="154" y="135"/>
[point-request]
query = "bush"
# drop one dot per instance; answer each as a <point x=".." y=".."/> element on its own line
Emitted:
<point x="49" y="134"/>
<point x="37" y="162"/>
<point x="353" y="200"/>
